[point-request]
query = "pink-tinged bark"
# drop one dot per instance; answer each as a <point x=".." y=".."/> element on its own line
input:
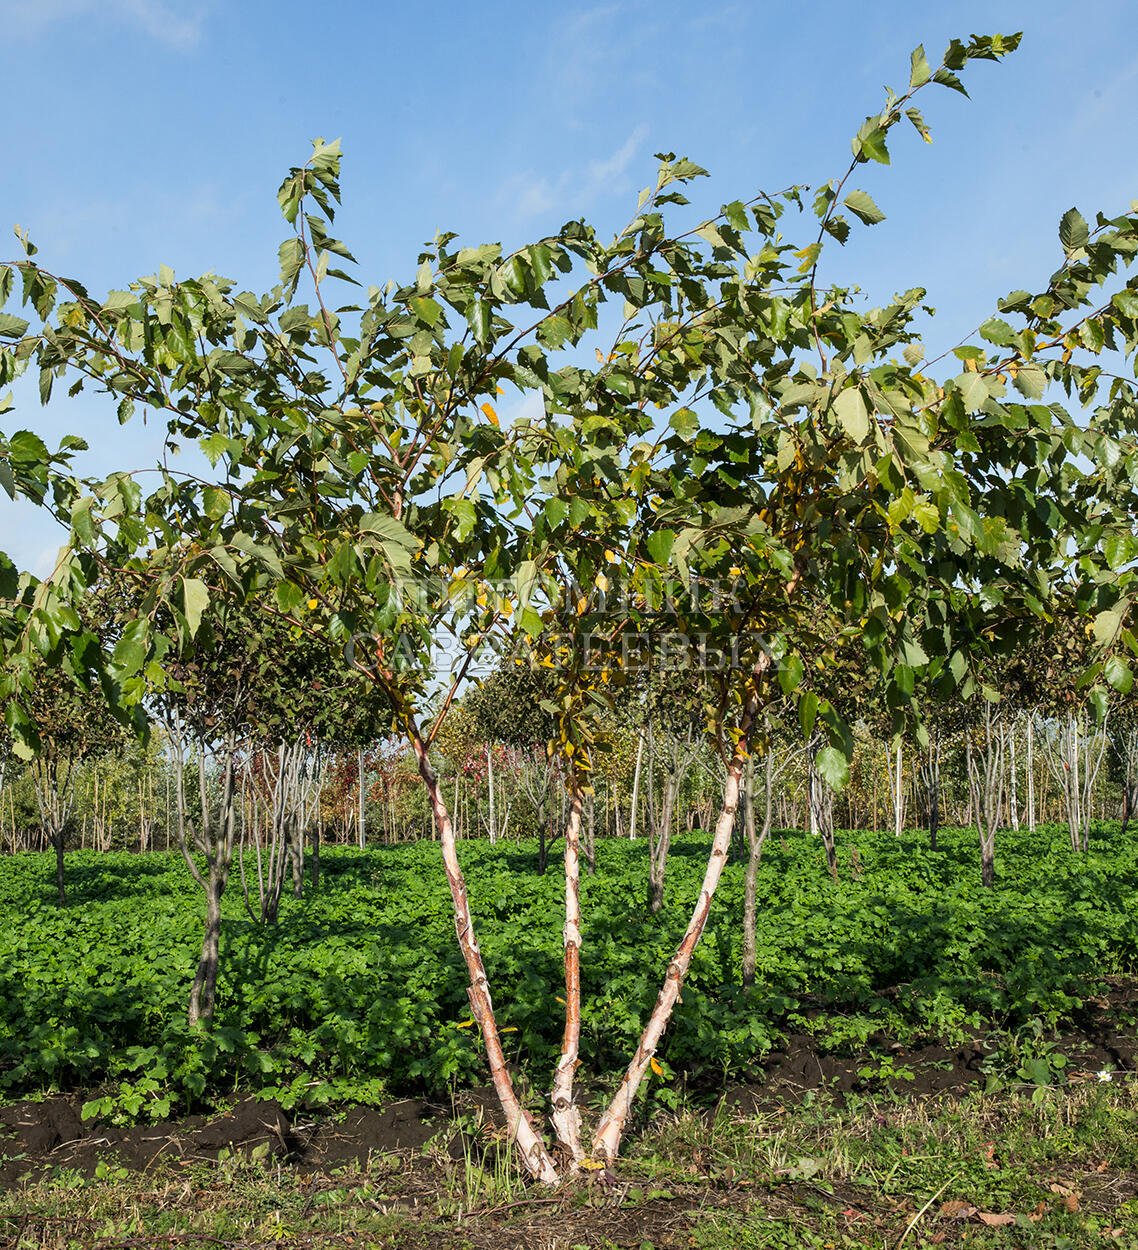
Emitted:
<point x="565" y="1116"/>
<point x="519" y="1124"/>
<point x="606" y="1143"/>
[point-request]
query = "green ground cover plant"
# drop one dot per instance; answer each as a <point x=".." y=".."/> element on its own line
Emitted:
<point x="359" y="992"/>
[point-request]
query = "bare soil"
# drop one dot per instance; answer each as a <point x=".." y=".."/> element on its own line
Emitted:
<point x="38" y="1135"/>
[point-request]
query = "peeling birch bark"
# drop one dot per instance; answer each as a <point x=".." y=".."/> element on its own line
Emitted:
<point x="521" y="1129"/>
<point x="606" y="1143"/>
<point x="565" y="1116"/>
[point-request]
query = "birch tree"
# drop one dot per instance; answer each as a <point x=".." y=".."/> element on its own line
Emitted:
<point x="740" y="414"/>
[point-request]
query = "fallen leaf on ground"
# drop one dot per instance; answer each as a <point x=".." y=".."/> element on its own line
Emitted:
<point x="957" y="1210"/>
<point x="994" y="1221"/>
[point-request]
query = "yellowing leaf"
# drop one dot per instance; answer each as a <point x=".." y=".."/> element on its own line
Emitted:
<point x="313" y="604"/>
<point x="654" y="1064"/>
<point x="491" y="415"/>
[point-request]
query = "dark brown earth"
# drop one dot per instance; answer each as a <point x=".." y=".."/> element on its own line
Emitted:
<point x="39" y="1135"/>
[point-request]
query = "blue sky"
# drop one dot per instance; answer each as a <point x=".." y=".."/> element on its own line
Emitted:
<point x="144" y="132"/>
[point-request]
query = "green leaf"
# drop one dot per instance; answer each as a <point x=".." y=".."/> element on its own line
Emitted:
<point x="912" y="653"/>
<point x="1100" y="702"/>
<point x="195" y="600"/>
<point x="531" y="622"/>
<point x="555" y="509"/>
<point x="1120" y="549"/>
<point x="920" y="71"/>
<point x="1107" y="624"/>
<point x="973" y="390"/>
<point x="525" y="579"/>
<point x="928" y="517"/>
<point x="465" y="515"/>
<point x="1118" y="674"/>
<point x="660" y="544"/>
<point x="426" y="309"/>
<point x="790" y="673"/>
<point x="12" y="327"/>
<point x="1073" y="231"/>
<point x="863" y="207"/>
<point x="130" y="650"/>
<point x="947" y="78"/>
<point x="387" y="529"/>
<point x="869" y="142"/>
<point x="478" y="318"/>
<point x="808" y="712"/>
<point x="1030" y="381"/>
<point x="852" y="413"/>
<point x="833" y="767"/>
<point x="685" y="423"/>
<point x="291" y="255"/>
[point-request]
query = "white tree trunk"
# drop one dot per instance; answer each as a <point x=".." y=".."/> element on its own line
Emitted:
<point x="636" y="789"/>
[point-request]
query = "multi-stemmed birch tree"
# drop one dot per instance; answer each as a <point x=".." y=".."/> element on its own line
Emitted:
<point x="743" y="424"/>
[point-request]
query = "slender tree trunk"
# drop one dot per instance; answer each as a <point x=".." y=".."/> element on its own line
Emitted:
<point x="203" y="995"/>
<point x="929" y="775"/>
<point x="294" y="849"/>
<point x="363" y="827"/>
<point x="896" y="787"/>
<point x="987" y="790"/>
<point x="60" y="885"/>
<point x="591" y="834"/>
<point x="606" y="1143"/>
<point x="821" y="799"/>
<point x="660" y="844"/>
<point x="215" y="842"/>
<point x="636" y="788"/>
<point x="1013" y="800"/>
<point x="566" y="1118"/>
<point x="1030" y="762"/>
<point x="54" y="785"/>
<point x="493" y="827"/>
<point x="518" y="1122"/>
<point x="755" y="844"/>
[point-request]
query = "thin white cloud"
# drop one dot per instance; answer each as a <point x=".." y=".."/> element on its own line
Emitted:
<point x="176" y="24"/>
<point x="610" y="172"/>
<point x="531" y="196"/>
<point x="587" y="19"/>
